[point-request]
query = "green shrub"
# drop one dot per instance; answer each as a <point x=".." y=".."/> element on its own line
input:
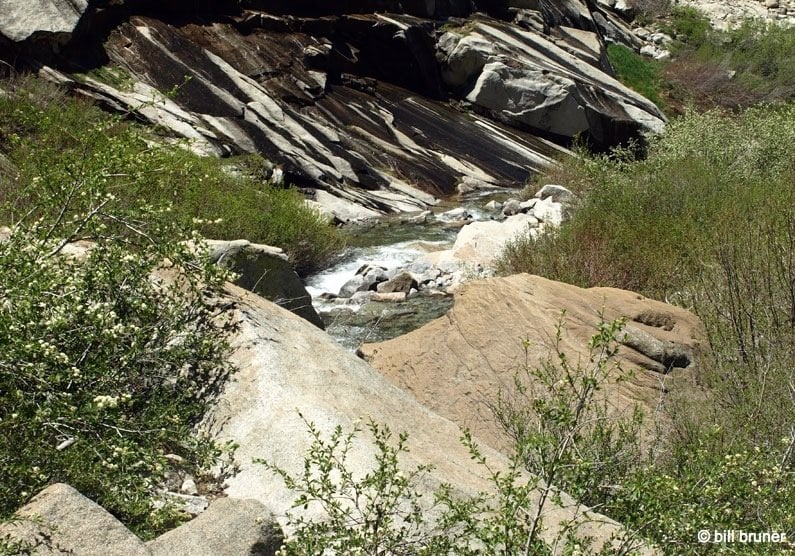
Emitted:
<point x="689" y="26"/>
<point x="762" y="55"/>
<point x="648" y="10"/>
<point x="378" y="513"/>
<point x="646" y="225"/>
<point x="707" y="221"/>
<point x="104" y="370"/>
<point x="52" y="138"/>
<point x="747" y="490"/>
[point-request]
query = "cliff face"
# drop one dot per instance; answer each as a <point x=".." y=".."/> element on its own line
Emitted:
<point x="385" y="105"/>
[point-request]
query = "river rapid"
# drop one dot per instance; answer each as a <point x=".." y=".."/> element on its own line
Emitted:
<point x="394" y="244"/>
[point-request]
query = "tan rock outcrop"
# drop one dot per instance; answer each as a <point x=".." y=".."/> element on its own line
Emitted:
<point x="285" y="365"/>
<point x="457" y="364"/>
<point x="60" y="520"/>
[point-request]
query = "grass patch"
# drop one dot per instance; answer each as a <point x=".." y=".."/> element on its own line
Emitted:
<point x="636" y="72"/>
<point x="51" y="138"/>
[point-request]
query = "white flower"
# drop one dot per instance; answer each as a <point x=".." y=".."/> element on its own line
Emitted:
<point x="106" y="401"/>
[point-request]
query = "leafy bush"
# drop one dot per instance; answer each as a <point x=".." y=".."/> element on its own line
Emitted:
<point x="689" y="26"/>
<point x="712" y="490"/>
<point x="707" y="221"/>
<point x="561" y="423"/>
<point x="648" y="10"/>
<point x="104" y="368"/>
<point x="111" y="355"/>
<point x="379" y="513"/>
<point x="647" y="225"/>
<point x="52" y="138"/>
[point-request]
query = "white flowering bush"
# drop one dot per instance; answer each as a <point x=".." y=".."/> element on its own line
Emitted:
<point x="105" y="367"/>
<point x="111" y="347"/>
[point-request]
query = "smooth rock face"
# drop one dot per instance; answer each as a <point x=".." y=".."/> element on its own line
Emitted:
<point x="457" y="364"/>
<point x="356" y="131"/>
<point x="525" y="78"/>
<point x="20" y="20"/>
<point x="72" y="524"/>
<point x="286" y="365"/>
<point x="236" y="527"/>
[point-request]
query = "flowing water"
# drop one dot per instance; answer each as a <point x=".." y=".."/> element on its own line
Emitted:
<point x="392" y="243"/>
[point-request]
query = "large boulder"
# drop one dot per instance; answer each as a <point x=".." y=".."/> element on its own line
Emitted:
<point x="60" y="520"/>
<point x="54" y="19"/>
<point x="266" y="271"/>
<point x="232" y="526"/>
<point x="457" y="364"/>
<point x="480" y="243"/>
<point x="530" y="80"/>
<point x="286" y="365"/>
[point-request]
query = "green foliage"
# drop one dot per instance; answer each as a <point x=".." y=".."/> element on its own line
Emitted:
<point x="708" y="221"/>
<point x="561" y="423"/>
<point x="52" y="138"/>
<point x="648" y="10"/>
<point x="115" y="76"/>
<point x="378" y="513"/>
<point x="763" y="57"/>
<point x="648" y="225"/>
<point x="636" y="72"/>
<point x="111" y="354"/>
<point x="711" y="490"/>
<point x="506" y="520"/>
<point x="103" y="369"/>
<point x="690" y="26"/>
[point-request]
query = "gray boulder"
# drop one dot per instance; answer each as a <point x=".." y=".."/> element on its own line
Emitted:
<point x="526" y="79"/>
<point x="266" y="271"/>
<point x="367" y="278"/>
<point x="60" y="520"/>
<point x="557" y="193"/>
<point x="235" y="527"/>
<point x="22" y="19"/>
<point x="665" y="355"/>
<point x="511" y="207"/>
<point x="403" y="282"/>
<point x="530" y="96"/>
<point x="286" y="364"/>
